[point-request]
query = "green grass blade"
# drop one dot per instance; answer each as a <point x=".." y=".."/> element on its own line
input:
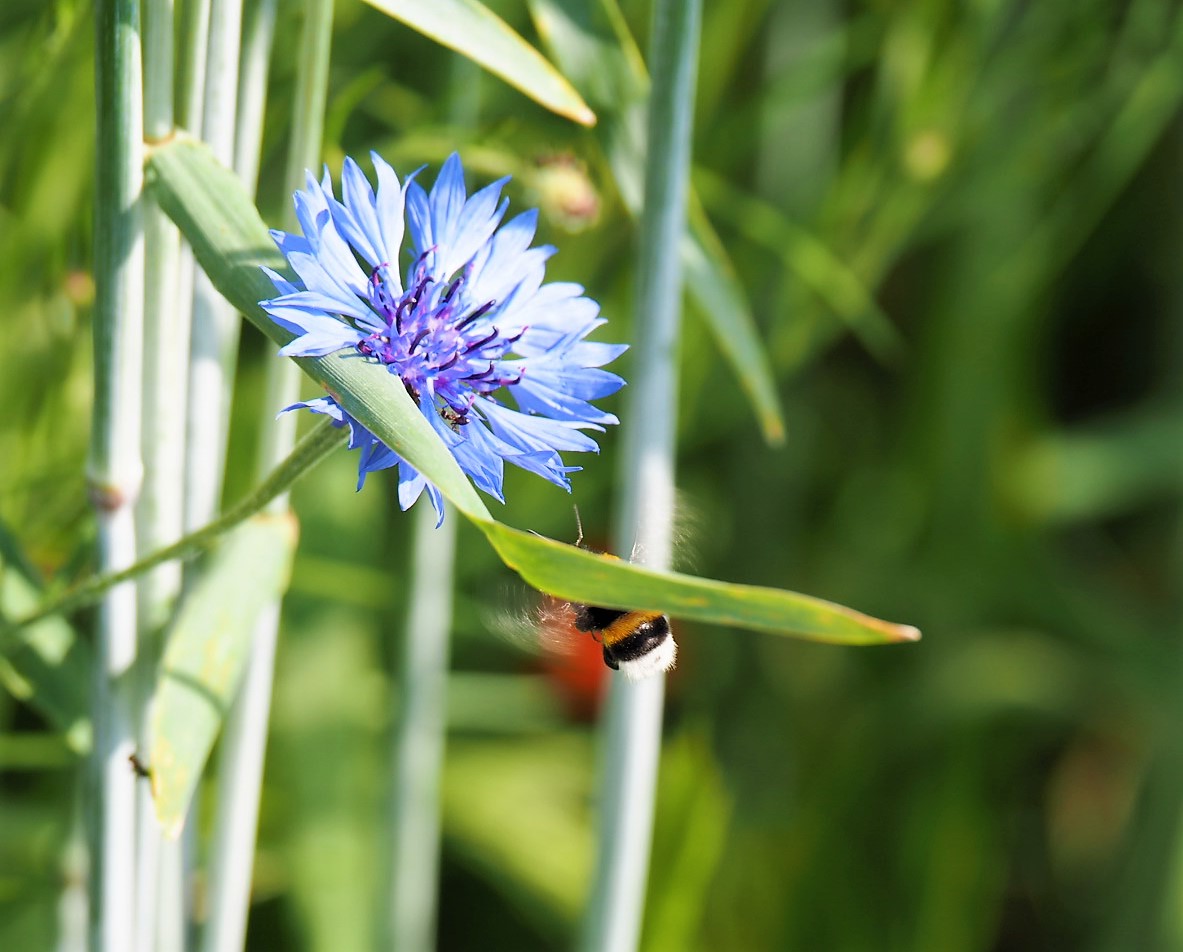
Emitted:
<point x="205" y="654"/>
<point x="231" y="242"/>
<point x="715" y="289"/>
<point x="474" y="31"/>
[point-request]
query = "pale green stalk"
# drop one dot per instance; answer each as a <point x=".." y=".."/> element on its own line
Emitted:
<point x="166" y="339"/>
<point x="114" y="468"/>
<point x="194" y="49"/>
<point x="177" y="855"/>
<point x="244" y="744"/>
<point x="420" y="728"/>
<point x="209" y="97"/>
<point x="419" y="735"/>
<point x="644" y="521"/>
<point x="308" y="104"/>
<point x="258" y="32"/>
<point x="160" y="510"/>
<point x="214" y="340"/>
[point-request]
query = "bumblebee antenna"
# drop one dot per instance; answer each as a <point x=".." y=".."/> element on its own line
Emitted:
<point x="579" y="523"/>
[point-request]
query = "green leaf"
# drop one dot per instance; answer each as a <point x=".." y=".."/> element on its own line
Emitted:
<point x="602" y="60"/>
<point x="473" y="30"/>
<point x="582" y="576"/>
<point x="205" y="653"/>
<point x="44" y="665"/>
<point x="230" y="242"/>
<point x="716" y="290"/>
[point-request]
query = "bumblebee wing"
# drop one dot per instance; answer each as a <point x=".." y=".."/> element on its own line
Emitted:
<point x="546" y="627"/>
<point x="556" y="628"/>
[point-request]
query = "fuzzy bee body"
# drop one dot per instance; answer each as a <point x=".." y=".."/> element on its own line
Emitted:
<point x="638" y="644"/>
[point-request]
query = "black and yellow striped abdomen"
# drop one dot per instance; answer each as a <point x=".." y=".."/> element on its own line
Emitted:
<point x="625" y="635"/>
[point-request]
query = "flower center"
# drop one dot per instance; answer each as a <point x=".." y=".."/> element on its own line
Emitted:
<point x="437" y="341"/>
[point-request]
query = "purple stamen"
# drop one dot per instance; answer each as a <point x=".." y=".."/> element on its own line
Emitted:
<point x="482" y="375"/>
<point x="488" y="338"/>
<point x="479" y="312"/>
<point x="452" y="289"/>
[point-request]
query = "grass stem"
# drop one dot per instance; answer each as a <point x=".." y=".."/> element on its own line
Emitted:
<point x="644" y="524"/>
<point x="215" y="328"/>
<point x="114" y="467"/>
<point x="419" y="740"/>
<point x="240" y="776"/>
<point x="160" y="508"/>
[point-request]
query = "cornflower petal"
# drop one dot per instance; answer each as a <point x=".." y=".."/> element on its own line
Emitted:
<point x="506" y="269"/>
<point x="390" y="207"/>
<point x="317" y="334"/>
<point x="471" y="318"/>
<point x="410" y="485"/>
<point x="559" y="397"/>
<point x="282" y="284"/>
<point x="330" y="248"/>
<point x="356" y="215"/>
<point x="590" y="353"/>
<point x="534" y="434"/>
<point x="288" y="244"/>
<point x="319" y="280"/>
<point x="447" y="229"/>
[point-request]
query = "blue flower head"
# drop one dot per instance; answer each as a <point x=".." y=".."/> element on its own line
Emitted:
<point x="469" y="321"/>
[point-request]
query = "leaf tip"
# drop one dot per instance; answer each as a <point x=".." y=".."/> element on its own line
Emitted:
<point x="774" y="431"/>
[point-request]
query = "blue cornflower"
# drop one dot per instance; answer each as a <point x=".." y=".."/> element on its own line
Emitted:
<point x="470" y="317"/>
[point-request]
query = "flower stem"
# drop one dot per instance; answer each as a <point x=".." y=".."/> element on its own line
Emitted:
<point x="160" y="508"/>
<point x="193" y="50"/>
<point x="166" y="339"/>
<point x="258" y="34"/>
<point x="209" y="96"/>
<point x="240" y="776"/>
<point x="319" y="442"/>
<point x="419" y="740"/>
<point x="114" y="468"/>
<point x="644" y="521"/>
<point x="215" y="329"/>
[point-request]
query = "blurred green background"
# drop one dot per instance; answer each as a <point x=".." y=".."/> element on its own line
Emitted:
<point x="957" y="226"/>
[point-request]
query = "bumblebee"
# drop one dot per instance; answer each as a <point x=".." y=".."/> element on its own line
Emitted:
<point x="638" y="644"/>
